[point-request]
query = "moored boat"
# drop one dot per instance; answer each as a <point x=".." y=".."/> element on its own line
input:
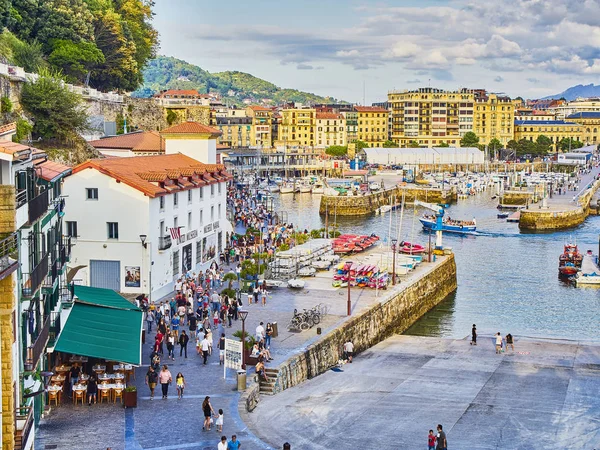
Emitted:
<point x="449" y="225"/>
<point x="569" y="262"/>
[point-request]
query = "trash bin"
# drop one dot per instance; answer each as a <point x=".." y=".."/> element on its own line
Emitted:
<point x="143" y="336"/>
<point x="275" y="332"/>
<point x="241" y="380"/>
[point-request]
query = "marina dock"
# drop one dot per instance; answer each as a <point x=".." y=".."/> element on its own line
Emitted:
<point x="590" y="271"/>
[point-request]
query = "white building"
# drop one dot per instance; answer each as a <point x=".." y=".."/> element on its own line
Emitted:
<point x="427" y="156"/>
<point x="123" y="212"/>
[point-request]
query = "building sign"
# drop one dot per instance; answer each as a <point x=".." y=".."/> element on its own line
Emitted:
<point x="208" y="228"/>
<point x="186" y="259"/>
<point x="233" y="354"/>
<point x="215" y="225"/>
<point x="132" y="276"/>
<point x="191" y="235"/>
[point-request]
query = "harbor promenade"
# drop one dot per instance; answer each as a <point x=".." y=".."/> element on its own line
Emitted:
<point x="542" y="396"/>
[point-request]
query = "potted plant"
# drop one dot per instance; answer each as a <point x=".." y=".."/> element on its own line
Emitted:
<point x="130" y="397"/>
<point x="248" y="344"/>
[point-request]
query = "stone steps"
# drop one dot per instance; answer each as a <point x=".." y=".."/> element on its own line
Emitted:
<point x="268" y="387"/>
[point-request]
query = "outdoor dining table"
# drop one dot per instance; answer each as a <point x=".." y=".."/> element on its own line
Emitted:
<point x="111" y="387"/>
<point x="79" y="388"/>
<point x="111" y="376"/>
<point x="118" y="367"/>
<point x="57" y="390"/>
<point x="98" y="368"/>
<point x="78" y="359"/>
<point x="84" y="377"/>
<point x="62" y="368"/>
<point x="58" y="379"/>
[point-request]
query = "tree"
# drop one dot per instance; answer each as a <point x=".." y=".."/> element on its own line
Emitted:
<point x="337" y="150"/>
<point x="494" y="144"/>
<point x="360" y="145"/>
<point x="75" y="60"/>
<point x="567" y="144"/>
<point x="543" y="144"/>
<point x="57" y="112"/>
<point x="512" y="144"/>
<point x="444" y="145"/>
<point x="413" y="144"/>
<point x="389" y="144"/>
<point x="470" y="139"/>
<point x="526" y="147"/>
<point x="70" y="20"/>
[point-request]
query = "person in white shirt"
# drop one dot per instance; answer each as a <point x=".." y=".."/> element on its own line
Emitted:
<point x="498" y="342"/>
<point x="260" y="332"/>
<point x="204" y="345"/>
<point x="349" y="350"/>
<point x="223" y="444"/>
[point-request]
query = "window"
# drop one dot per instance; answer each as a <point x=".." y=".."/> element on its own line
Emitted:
<point x="190" y="196"/>
<point x="72" y="229"/>
<point x="212" y="213"/>
<point x="219" y="216"/>
<point x="189" y="221"/>
<point x="175" y="222"/>
<point x="175" y="263"/>
<point x="91" y="193"/>
<point x="161" y="229"/>
<point x="175" y="199"/>
<point x="201" y="193"/>
<point x="212" y="190"/>
<point x="198" y="251"/>
<point x="161" y="203"/>
<point x="219" y="187"/>
<point x="113" y="230"/>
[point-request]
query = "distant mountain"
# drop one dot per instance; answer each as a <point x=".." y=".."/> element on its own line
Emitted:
<point x="171" y="73"/>
<point x="590" y="90"/>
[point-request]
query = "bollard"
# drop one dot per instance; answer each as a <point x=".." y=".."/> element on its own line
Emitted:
<point x="241" y="380"/>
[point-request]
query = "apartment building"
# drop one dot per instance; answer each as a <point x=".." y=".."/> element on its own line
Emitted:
<point x="297" y="127"/>
<point x="555" y="130"/>
<point x="330" y="129"/>
<point x="493" y="118"/>
<point x="431" y="116"/>
<point x="262" y="122"/>
<point x="566" y="109"/>
<point x="590" y="124"/>
<point x="351" y="125"/>
<point x="372" y="125"/>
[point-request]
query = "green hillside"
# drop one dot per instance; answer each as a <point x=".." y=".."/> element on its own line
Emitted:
<point x="171" y="73"/>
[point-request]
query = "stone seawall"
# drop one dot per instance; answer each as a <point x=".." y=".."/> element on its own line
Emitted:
<point x="394" y="314"/>
<point x="518" y="198"/>
<point x="544" y="220"/>
<point x="368" y="204"/>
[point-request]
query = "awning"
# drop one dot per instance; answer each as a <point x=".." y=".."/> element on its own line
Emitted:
<point x="102" y="324"/>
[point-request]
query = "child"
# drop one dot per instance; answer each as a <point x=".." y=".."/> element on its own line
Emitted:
<point x="180" y="382"/>
<point x="216" y="319"/>
<point x="219" y="423"/>
<point x="431" y="440"/>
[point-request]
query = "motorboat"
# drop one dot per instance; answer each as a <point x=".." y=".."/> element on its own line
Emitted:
<point x="318" y="188"/>
<point x="307" y="272"/>
<point x="449" y="225"/>
<point x="502" y="215"/>
<point x="273" y="188"/>
<point x="305" y="188"/>
<point x="295" y="283"/>
<point x="322" y="264"/>
<point x="383" y="209"/>
<point x="286" y="189"/>
<point x="273" y="283"/>
<point x="570" y="261"/>
<point x="374" y="186"/>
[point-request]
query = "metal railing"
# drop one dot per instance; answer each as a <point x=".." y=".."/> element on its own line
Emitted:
<point x="164" y="242"/>
<point x="65" y="250"/>
<point x="38" y="206"/>
<point x="55" y="327"/>
<point x="23" y="426"/>
<point x="32" y="281"/>
<point x="35" y="351"/>
<point x="52" y="274"/>
<point x="8" y="251"/>
<point x="21" y="197"/>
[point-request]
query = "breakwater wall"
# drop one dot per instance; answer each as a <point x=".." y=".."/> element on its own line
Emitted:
<point x="548" y="220"/>
<point x="360" y="205"/>
<point x="394" y="314"/>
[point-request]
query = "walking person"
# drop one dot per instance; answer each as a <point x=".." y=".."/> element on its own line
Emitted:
<point x="183" y="342"/>
<point x="223" y="444"/>
<point x="349" y="350"/>
<point x="222" y="349"/>
<point x="180" y="383"/>
<point x="442" y="443"/>
<point x="92" y="390"/>
<point x="509" y="342"/>
<point x="268" y="334"/>
<point x="171" y="346"/>
<point x="149" y="319"/>
<point x="208" y="411"/>
<point x="165" y="379"/>
<point x="431" y="441"/>
<point x="234" y="444"/>
<point x="151" y="380"/>
<point x="204" y="347"/>
<point x="498" y="343"/>
<point x="219" y="422"/>
<point x="474" y="335"/>
<point x="264" y="297"/>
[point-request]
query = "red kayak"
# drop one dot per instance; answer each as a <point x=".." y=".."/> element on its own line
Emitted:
<point x="407" y="247"/>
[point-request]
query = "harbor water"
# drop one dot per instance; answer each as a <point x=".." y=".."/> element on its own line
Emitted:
<point x="507" y="280"/>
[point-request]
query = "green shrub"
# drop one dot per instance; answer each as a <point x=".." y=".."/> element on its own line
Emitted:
<point x="6" y="105"/>
<point x="23" y="130"/>
<point x="228" y="292"/>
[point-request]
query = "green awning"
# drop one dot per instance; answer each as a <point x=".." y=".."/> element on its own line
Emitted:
<point x="102" y="297"/>
<point x="98" y="327"/>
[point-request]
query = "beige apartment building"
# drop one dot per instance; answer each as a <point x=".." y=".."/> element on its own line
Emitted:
<point x="372" y="125"/>
<point x="494" y="118"/>
<point x="297" y="127"/>
<point x="331" y="129"/>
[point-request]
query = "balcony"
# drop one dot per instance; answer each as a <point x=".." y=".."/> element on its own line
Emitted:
<point x="21" y="198"/>
<point x="164" y="242"/>
<point x="65" y="250"/>
<point x="23" y="426"/>
<point x="8" y="255"/>
<point x="38" y="207"/>
<point x="32" y="281"/>
<point x="35" y="351"/>
<point x="55" y="327"/>
<point x="52" y="275"/>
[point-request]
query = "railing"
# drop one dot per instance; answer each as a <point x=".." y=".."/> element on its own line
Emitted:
<point x="164" y="242"/>
<point x="55" y="327"/>
<point x="65" y="250"/>
<point x="33" y="280"/>
<point x="52" y="275"/>
<point x="21" y="197"/>
<point x="35" y="351"/>
<point x="38" y="207"/>
<point x="23" y="426"/>
<point x="8" y="252"/>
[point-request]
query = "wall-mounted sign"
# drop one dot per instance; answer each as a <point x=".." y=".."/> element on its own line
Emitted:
<point x="208" y="228"/>
<point x="191" y="235"/>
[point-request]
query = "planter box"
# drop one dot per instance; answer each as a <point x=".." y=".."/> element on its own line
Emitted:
<point x="130" y="399"/>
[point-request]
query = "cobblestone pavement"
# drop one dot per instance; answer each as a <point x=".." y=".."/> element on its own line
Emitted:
<point x="177" y="424"/>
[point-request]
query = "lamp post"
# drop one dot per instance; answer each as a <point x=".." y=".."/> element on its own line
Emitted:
<point x="349" y="302"/>
<point x="243" y="315"/>
<point x="394" y="242"/>
<point x="143" y="239"/>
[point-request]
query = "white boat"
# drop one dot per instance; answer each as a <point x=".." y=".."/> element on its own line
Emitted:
<point x="305" y="188"/>
<point x="331" y="258"/>
<point x="286" y="189"/>
<point x="277" y="180"/>
<point x="374" y="186"/>
<point x="273" y="283"/>
<point x="273" y="188"/>
<point x="318" y="188"/>
<point x="307" y="272"/>
<point x="383" y="209"/>
<point x="321" y="264"/>
<point x="590" y="271"/>
<point x="295" y="283"/>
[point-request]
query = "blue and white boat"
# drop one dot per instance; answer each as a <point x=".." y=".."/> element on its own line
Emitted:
<point x="449" y="225"/>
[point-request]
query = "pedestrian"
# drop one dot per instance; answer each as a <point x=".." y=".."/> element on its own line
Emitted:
<point x="268" y="334"/>
<point x="193" y="323"/>
<point x="509" y="341"/>
<point x="151" y="380"/>
<point x="287" y="446"/>
<point x="205" y="347"/>
<point x="264" y="298"/>
<point x="216" y="319"/>
<point x="431" y="440"/>
<point x="175" y="321"/>
<point x="349" y="350"/>
<point x="165" y="380"/>
<point x="498" y="343"/>
<point x="223" y="444"/>
<point x="171" y="346"/>
<point x="442" y="443"/>
<point x="183" y="342"/>
<point x="180" y="383"/>
<point x="474" y="335"/>
<point x="219" y="422"/>
<point x="149" y="319"/>
<point x="222" y="349"/>
<point x="208" y="411"/>
<point x="250" y="296"/>
<point x="92" y="391"/>
<point x="260" y="332"/>
<point x="234" y="444"/>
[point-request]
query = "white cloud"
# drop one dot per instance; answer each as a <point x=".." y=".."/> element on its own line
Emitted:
<point x="347" y="53"/>
<point x="401" y="50"/>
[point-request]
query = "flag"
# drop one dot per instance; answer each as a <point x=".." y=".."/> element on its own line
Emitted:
<point x="175" y="233"/>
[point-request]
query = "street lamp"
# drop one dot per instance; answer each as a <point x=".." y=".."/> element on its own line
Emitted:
<point x="349" y="302"/>
<point x="394" y="242"/>
<point x="243" y="315"/>
<point x="143" y="238"/>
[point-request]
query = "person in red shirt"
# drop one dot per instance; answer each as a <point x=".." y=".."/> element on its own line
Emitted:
<point x="431" y="440"/>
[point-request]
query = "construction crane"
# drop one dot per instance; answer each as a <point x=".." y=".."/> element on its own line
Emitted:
<point x="439" y="220"/>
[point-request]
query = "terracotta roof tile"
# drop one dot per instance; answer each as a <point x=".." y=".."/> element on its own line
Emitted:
<point x="191" y="128"/>
<point x="8" y="128"/>
<point x="51" y="170"/>
<point x="16" y="150"/>
<point x="179" y="92"/>
<point x="142" y="172"/>
<point x="259" y="108"/>
<point x="369" y="109"/>
<point x="144" y="141"/>
<point x="329" y="115"/>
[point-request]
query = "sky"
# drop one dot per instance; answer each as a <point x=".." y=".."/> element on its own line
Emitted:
<point x="359" y="50"/>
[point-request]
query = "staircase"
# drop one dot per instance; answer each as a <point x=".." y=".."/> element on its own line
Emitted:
<point x="269" y="387"/>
